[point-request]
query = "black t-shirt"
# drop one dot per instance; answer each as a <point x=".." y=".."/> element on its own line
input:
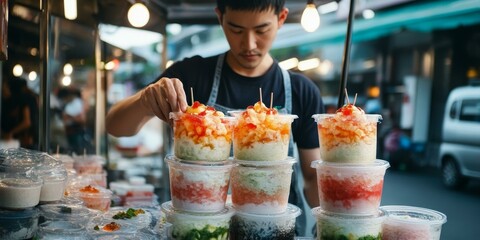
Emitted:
<point x="238" y="92"/>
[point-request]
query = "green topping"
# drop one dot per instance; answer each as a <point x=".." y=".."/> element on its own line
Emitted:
<point x="96" y="228"/>
<point x="130" y="213"/>
<point x="206" y="233"/>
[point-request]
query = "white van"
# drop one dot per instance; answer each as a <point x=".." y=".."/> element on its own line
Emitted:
<point x="459" y="156"/>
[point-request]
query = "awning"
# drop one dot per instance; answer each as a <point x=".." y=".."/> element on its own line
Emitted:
<point x="423" y="17"/>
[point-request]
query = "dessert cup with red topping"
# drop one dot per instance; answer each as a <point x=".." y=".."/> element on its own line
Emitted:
<point x="261" y="187"/>
<point x="348" y="136"/>
<point x="354" y="189"/>
<point x="261" y="133"/>
<point x="198" y="187"/>
<point x="202" y="133"/>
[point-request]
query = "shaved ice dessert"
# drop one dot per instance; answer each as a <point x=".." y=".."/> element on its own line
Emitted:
<point x="198" y="187"/>
<point x="261" y="187"/>
<point x="345" y="226"/>
<point x="348" y="136"/>
<point x="350" y="188"/>
<point x="202" y="133"/>
<point x="412" y="223"/>
<point x="261" y="133"/>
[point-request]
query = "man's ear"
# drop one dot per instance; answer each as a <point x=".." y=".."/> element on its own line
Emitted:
<point x="219" y="15"/>
<point x="282" y="17"/>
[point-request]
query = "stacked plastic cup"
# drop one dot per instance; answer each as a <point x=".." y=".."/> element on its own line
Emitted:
<point x="199" y="174"/>
<point x="350" y="184"/>
<point x="349" y="177"/>
<point x="261" y="177"/>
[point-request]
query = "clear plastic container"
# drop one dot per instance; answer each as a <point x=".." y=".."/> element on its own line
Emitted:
<point x="62" y="230"/>
<point x="19" y="191"/>
<point x="412" y="223"/>
<point x="201" y="225"/>
<point x="350" y="188"/>
<point x="347" y="139"/>
<point x="261" y="136"/>
<point x="95" y="197"/>
<point x="261" y="187"/>
<point x="102" y="227"/>
<point x="18" y="224"/>
<point x="88" y="164"/>
<point x="198" y="187"/>
<point x="246" y="226"/>
<point x="54" y="182"/>
<point x="67" y="160"/>
<point x="345" y="226"/>
<point x="202" y="138"/>
<point x="139" y="217"/>
<point x="67" y="212"/>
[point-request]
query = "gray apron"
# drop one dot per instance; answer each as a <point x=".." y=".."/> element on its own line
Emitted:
<point x="295" y="193"/>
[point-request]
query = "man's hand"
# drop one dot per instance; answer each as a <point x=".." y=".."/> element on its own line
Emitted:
<point x="164" y="96"/>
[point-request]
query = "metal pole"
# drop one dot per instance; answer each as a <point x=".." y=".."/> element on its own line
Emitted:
<point x="346" y="54"/>
<point x="44" y="97"/>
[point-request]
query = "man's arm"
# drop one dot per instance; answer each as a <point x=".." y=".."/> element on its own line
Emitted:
<point x="307" y="156"/>
<point x="127" y="116"/>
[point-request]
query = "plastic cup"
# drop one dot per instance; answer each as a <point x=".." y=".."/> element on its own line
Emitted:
<point x="345" y="226"/>
<point x="246" y="226"/>
<point x="198" y="225"/>
<point x="201" y="138"/>
<point x="95" y="197"/>
<point x="19" y="192"/>
<point x="412" y="223"/>
<point x="61" y="230"/>
<point x="198" y="187"/>
<point x="263" y="138"/>
<point x="261" y="187"/>
<point x="350" y="188"/>
<point x="18" y="224"/>
<point x="347" y="139"/>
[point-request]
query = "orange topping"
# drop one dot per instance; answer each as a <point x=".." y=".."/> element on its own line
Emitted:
<point x="202" y="123"/>
<point x="113" y="226"/>
<point x="261" y="124"/>
<point x="89" y="189"/>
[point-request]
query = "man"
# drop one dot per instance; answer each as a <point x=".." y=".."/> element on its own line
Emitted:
<point x="232" y="81"/>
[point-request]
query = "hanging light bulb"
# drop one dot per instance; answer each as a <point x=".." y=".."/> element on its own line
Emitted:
<point x="138" y="15"/>
<point x="70" y="9"/>
<point x="310" y="18"/>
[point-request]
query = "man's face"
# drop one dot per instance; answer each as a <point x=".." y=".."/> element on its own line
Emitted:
<point x="250" y="35"/>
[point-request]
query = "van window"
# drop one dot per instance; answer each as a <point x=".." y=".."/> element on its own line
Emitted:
<point x="454" y="110"/>
<point x="470" y="110"/>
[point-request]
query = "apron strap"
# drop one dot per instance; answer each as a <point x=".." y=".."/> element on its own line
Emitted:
<point x="216" y="81"/>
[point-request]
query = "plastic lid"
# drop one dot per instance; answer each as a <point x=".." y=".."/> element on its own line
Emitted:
<point x="55" y="211"/>
<point x="414" y="215"/>
<point x="214" y="165"/>
<point x="168" y="209"/>
<point x="288" y="160"/>
<point x="19" y="214"/>
<point x="319" y="212"/>
<point x="291" y="212"/>
<point x="64" y="227"/>
<point x="375" y="164"/>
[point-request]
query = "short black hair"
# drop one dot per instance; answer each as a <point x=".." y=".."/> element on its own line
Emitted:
<point x="251" y="5"/>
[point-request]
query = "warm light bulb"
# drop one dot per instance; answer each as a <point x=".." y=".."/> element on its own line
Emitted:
<point x="67" y="69"/>
<point x="32" y="76"/>
<point x="310" y="18"/>
<point x="66" y="81"/>
<point x="138" y="15"/>
<point x="70" y="9"/>
<point x="17" y="70"/>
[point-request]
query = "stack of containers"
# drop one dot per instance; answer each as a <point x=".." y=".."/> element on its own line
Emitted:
<point x="27" y="179"/>
<point x="261" y="177"/>
<point x="349" y="177"/>
<point x="199" y="174"/>
<point x="350" y="184"/>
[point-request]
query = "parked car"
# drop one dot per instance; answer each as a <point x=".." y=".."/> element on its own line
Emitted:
<point x="459" y="156"/>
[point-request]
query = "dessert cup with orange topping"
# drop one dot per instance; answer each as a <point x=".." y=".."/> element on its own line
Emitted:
<point x="348" y="136"/>
<point x="95" y="197"/>
<point x="202" y="133"/>
<point x="261" y="133"/>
